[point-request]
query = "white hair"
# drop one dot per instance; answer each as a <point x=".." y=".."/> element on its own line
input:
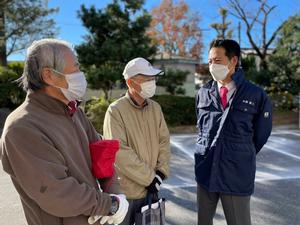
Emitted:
<point x="41" y="54"/>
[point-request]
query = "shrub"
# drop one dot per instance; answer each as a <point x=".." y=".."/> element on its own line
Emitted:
<point x="95" y="110"/>
<point x="11" y="95"/>
<point x="178" y="110"/>
<point x="17" y="67"/>
<point x="283" y="101"/>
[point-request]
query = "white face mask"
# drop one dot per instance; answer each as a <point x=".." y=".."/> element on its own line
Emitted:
<point x="148" y="89"/>
<point x="76" y="85"/>
<point x="218" y="71"/>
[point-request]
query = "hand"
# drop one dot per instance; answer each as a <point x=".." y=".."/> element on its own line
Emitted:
<point x="119" y="216"/>
<point x="154" y="187"/>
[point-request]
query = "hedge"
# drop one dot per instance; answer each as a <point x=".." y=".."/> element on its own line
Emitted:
<point x="178" y="110"/>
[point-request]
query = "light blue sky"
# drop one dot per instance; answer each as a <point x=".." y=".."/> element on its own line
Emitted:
<point x="71" y="29"/>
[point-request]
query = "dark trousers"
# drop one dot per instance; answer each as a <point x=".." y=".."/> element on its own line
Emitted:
<point x="134" y="206"/>
<point x="236" y="208"/>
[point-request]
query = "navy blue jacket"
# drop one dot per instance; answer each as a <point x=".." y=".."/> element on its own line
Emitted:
<point x="229" y="165"/>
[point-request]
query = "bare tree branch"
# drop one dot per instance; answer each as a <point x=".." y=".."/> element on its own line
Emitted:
<point x="12" y="47"/>
<point x="261" y="19"/>
<point x="274" y="35"/>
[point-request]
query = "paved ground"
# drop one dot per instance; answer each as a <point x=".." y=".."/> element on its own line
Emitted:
<point x="276" y="200"/>
<point x="277" y="195"/>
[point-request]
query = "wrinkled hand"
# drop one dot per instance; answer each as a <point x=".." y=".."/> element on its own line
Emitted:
<point x="154" y="187"/>
<point x="119" y="216"/>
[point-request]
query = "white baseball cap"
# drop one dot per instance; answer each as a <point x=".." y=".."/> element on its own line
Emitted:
<point x="140" y="66"/>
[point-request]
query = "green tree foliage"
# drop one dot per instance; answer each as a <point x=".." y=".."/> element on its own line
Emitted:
<point x="116" y="35"/>
<point x="282" y="79"/>
<point x="285" y="62"/>
<point x="21" y="22"/>
<point x="172" y="80"/>
<point x="95" y="110"/>
<point x="178" y="110"/>
<point x="11" y="95"/>
<point x="285" y="65"/>
<point x="260" y="77"/>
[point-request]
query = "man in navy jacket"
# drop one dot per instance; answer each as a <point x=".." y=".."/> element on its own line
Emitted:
<point x="225" y="158"/>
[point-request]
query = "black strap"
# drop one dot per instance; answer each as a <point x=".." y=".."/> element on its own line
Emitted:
<point x="150" y="197"/>
<point x="224" y="116"/>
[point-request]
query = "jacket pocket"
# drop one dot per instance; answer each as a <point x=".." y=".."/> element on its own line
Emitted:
<point x="242" y="107"/>
<point x="204" y="109"/>
<point x="241" y="119"/>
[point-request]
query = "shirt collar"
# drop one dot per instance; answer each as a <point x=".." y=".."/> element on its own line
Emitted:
<point x="229" y="86"/>
<point x="72" y="107"/>
<point x="134" y="104"/>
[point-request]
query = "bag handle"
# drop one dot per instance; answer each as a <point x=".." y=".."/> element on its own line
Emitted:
<point x="150" y="198"/>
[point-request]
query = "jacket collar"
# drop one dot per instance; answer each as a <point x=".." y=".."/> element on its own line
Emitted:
<point x="238" y="77"/>
<point x="47" y="102"/>
<point x="134" y="104"/>
<point x="215" y="93"/>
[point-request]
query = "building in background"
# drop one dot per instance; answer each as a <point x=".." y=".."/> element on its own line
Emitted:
<point x="179" y="63"/>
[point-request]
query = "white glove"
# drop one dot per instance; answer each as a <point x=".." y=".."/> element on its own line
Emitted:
<point x="119" y="216"/>
<point x="93" y="219"/>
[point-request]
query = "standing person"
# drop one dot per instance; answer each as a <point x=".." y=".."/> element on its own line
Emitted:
<point x="138" y="122"/>
<point x="45" y="144"/>
<point x="234" y="121"/>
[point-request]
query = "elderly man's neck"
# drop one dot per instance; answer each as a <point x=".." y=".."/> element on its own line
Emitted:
<point x="138" y="100"/>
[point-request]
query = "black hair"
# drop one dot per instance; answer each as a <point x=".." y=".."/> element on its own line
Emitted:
<point x="232" y="48"/>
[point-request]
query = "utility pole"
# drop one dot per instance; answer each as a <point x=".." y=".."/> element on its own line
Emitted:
<point x="239" y="33"/>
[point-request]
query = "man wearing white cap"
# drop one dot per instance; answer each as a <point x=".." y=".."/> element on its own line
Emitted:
<point x="142" y="162"/>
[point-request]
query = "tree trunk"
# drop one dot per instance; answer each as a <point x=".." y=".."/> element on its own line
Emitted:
<point x="263" y="64"/>
<point x="3" y="60"/>
<point x="105" y="94"/>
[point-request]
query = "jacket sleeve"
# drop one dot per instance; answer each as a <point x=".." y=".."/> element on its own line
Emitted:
<point x="41" y="171"/>
<point x="108" y="185"/>
<point x="262" y="123"/>
<point x="164" y="148"/>
<point x="127" y="160"/>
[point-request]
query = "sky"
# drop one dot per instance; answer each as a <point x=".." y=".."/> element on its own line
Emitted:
<point x="71" y="29"/>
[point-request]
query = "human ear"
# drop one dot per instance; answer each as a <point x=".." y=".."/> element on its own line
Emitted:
<point x="234" y="61"/>
<point x="47" y="76"/>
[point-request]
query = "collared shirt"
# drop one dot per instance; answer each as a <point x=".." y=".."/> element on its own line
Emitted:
<point x="231" y="89"/>
<point x="72" y="107"/>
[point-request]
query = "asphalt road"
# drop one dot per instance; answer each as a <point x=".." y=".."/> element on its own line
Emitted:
<point x="276" y="200"/>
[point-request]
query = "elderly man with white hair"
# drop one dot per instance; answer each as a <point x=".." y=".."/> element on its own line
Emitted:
<point x="142" y="162"/>
<point x="45" y="144"/>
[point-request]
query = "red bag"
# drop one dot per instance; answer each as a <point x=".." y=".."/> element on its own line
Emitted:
<point x="103" y="154"/>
